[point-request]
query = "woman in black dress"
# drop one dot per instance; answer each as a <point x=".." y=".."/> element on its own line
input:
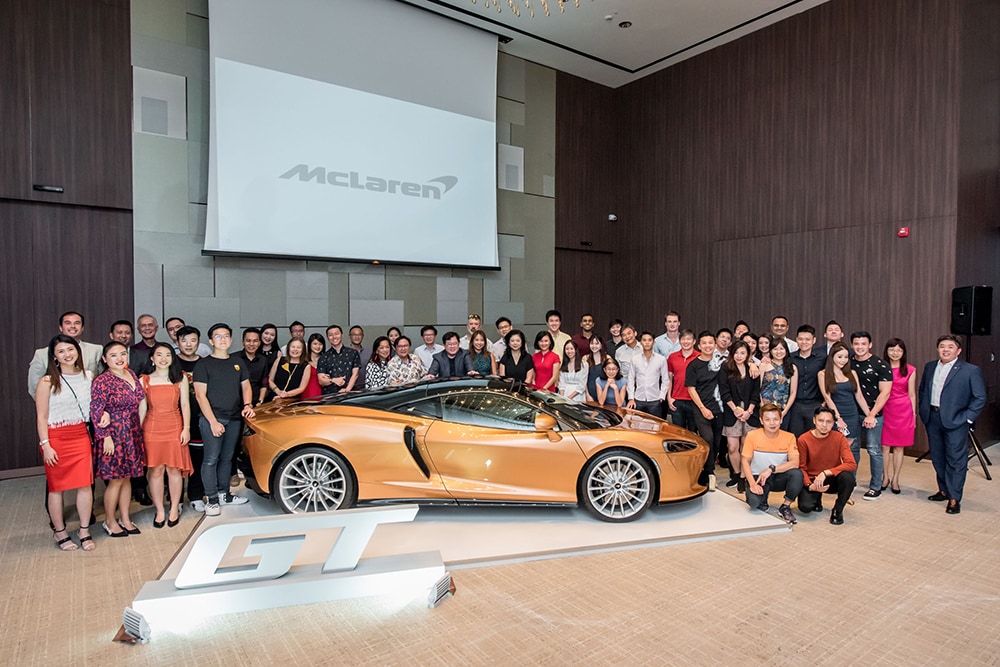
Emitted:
<point x="516" y="363"/>
<point x="290" y="375"/>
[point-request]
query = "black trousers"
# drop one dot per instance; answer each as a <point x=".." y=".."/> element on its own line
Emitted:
<point x="789" y="481"/>
<point x="650" y="408"/>
<point x="800" y="418"/>
<point x="710" y="431"/>
<point x="684" y="415"/>
<point x="842" y="484"/>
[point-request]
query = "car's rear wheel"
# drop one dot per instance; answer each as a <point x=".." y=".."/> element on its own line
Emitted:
<point x="617" y="486"/>
<point x="314" y="479"/>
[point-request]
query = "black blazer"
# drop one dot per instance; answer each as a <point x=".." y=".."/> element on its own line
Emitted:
<point x="962" y="398"/>
<point x="745" y="391"/>
<point x="440" y="366"/>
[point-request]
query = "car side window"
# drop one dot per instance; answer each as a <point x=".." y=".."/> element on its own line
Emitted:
<point x="489" y="410"/>
<point x="429" y="407"/>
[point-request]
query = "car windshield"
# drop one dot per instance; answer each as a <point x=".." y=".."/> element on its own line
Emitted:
<point x="580" y="415"/>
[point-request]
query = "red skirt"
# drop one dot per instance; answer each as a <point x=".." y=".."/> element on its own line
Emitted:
<point x="75" y="467"/>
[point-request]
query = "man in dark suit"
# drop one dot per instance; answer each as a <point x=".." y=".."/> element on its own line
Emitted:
<point x="952" y="394"/>
<point x="451" y="362"/>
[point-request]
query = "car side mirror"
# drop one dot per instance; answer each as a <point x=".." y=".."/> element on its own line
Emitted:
<point x="547" y="423"/>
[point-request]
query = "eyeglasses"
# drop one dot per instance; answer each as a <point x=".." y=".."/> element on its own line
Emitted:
<point x="222" y="337"/>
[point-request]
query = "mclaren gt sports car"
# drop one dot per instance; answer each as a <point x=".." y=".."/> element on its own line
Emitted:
<point x="469" y="441"/>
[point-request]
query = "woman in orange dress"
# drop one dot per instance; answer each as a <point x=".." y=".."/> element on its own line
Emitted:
<point x="62" y="403"/>
<point x="165" y="416"/>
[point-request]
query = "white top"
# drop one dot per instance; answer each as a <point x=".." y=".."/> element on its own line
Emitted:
<point x="40" y="361"/>
<point x="72" y="404"/>
<point x="940" y="375"/>
<point x="624" y="356"/>
<point x="574" y="381"/>
<point x="649" y="380"/>
<point x="426" y="354"/>
<point x="792" y="345"/>
<point x="498" y="348"/>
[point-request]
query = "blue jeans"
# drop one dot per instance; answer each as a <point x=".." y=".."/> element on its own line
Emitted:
<point x="873" y="442"/>
<point x="217" y="466"/>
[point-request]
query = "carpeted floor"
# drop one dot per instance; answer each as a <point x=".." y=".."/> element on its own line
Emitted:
<point x="901" y="583"/>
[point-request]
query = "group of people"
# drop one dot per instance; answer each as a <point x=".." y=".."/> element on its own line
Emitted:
<point x="793" y="413"/>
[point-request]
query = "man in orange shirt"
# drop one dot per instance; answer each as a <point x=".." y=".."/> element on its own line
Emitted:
<point x="771" y="463"/>
<point x="827" y="466"/>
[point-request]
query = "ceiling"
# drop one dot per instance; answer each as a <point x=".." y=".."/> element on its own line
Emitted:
<point x="588" y="42"/>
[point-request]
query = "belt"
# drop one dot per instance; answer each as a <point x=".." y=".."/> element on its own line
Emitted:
<point x="935" y="408"/>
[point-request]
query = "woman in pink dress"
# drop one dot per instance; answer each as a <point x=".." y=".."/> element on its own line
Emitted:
<point x="546" y="362"/>
<point x="899" y="414"/>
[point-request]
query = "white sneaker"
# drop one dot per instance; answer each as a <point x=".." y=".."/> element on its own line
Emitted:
<point x="212" y="509"/>
<point x="198" y="505"/>
<point x="230" y="499"/>
<point x="711" y="482"/>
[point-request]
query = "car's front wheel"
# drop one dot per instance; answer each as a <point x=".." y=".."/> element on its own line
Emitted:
<point x="314" y="479"/>
<point x="617" y="486"/>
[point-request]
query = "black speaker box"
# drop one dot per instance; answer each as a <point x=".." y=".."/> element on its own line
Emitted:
<point x="971" y="310"/>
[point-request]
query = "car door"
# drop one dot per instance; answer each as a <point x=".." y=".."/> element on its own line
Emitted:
<point x="485" y="447"/>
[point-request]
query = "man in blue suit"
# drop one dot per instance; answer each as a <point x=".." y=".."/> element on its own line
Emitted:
<point x="952" y="394"/>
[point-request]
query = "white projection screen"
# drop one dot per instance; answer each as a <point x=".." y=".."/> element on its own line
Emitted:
<point x="358" y="130"/>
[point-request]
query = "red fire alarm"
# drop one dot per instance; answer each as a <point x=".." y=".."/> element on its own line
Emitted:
<point x="903" y="232"/>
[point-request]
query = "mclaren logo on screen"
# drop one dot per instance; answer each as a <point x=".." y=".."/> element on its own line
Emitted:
<point x="432" y="189"/>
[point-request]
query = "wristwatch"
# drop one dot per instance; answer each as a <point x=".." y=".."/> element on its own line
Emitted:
<point x="772" y="469"/>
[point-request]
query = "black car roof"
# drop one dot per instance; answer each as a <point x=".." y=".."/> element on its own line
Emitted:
<point x="389" y="397"/>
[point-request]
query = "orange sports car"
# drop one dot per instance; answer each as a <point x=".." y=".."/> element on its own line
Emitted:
<point x="469" y="441"/>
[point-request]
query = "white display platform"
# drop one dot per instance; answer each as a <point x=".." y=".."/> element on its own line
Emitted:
<point x="473" y="537"/>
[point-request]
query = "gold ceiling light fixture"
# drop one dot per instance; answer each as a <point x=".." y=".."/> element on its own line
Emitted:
<point x="513" y="6"/>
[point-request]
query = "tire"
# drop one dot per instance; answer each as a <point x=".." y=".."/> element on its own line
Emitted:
<point x="617" y="486"/>
<point x="314" y="479"/>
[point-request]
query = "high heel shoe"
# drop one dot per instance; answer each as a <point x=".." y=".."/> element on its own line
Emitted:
<point x="159" y="524"/>
<point x="895" y="489"/>
<point x="173" y="522"/>
<point x="123" y="533"/>
<point x="134" y="530"/>
<point x="66" y="543"/>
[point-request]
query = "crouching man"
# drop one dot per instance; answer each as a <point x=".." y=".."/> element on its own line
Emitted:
<point x="771" y="463"/>
<point x="827" y="466"/>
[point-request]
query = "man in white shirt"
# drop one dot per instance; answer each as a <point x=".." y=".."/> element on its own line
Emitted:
<point x="430" y="347"/>
<point x="649" y="381"/>
<point x="779" y="329"/>
<point x="70" y="324"/>
<point x="473" y="325"/>
<point x="629" y="349"/>
<point x="669" y="342"/>
<point x="503" y="328"/>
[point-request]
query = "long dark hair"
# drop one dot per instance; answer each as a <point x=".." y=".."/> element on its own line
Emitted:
<point x="274" y="343"/>
<point x="577" y="364"/>
<point x="309" y="345"/>
<point x="732" y="368"/>
<point x="829" y="380"/>
<point x="174" y="371"/>
<point x="604" y="369"/>
<point x="896" y="342"/>
<point x="589" y="357"/>
<point x="786" y="363"/>
<point x="375" y="358"/>
<point x="472" y="348"/>
<point x="104" y="352"/>
<point x="54" y="370"/>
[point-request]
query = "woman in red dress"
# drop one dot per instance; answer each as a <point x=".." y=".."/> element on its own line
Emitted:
<point x="118" y="452"/>
<point x="62" y="403"/>
<point x="166" y="417"/>
<point x="317" y="346"/>
<point x="546" y="362"/>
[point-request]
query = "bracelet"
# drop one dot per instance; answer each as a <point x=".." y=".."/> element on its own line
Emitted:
<point x="44" y="442"/>
<point x="247" y="405"/>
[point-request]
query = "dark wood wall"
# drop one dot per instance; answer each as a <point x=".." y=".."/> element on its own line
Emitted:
<point x="770" y="175"/>
<point x="65" y="121"/>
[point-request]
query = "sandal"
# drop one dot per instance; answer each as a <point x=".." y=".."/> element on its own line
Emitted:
<point x="66" y="543"/>
<point x="86" y="541"/>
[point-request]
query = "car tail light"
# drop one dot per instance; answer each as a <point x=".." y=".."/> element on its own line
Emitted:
<point x="675" y="446"/>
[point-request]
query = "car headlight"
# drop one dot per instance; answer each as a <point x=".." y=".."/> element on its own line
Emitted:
<point x="675" y="446"/>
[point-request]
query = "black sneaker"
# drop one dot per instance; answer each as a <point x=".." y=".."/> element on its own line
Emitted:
<point x="733" y="481"/>
<point x="763" y="507"/>
<point x="741" y="485"/>
<point x="872" y="494"/>
<point x="785" y="512"/>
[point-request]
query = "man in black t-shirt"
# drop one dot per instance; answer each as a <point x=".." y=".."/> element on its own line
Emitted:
<point x="875" y="378"/>
<point x="809" y="360"/>
<point x="188" y="341"/>
<point x="255" y="363"/>
<point x="703" y="387"/>
<point x="222" y="387"/>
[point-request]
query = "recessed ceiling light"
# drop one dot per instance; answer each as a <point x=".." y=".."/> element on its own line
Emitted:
<point x="625" y="24"/>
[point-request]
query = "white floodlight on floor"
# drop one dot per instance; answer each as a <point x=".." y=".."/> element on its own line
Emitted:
<point x="134" y="628"/>
<point x="444" y="587"/>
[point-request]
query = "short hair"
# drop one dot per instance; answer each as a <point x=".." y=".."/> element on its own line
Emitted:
<point x="860" y="334"/>
<point x="779" y="317"/>
<point x="672" y="312"/>
<point x="722" y="331"/>
<point x="614" y="322"/>
<point x="219" y="325"/>
<point x="356" y="326"/>
<point x="806" y="328"/>
<point x="604" y="367"/>
<point x="647" y="333"/>
<point x="545" y="334"/>
<point x="685" y="332"/>
<point x="552" y="312"/>
<point x="311" y="339"/>
<point x="474" y="316"/>
<point x="187" y="330"/>
<point x="333" y="326"/>
<point x="769" y="407"/>
<point x="500" y="319"/>
<point x="590" y="315"/>
<point x="824" y="408"/>
<point x="294" y="324"/>
<point x="511" y="334"/>
<point x="448" y="336"/>
<point x="152" y="317"/>
<point x="630" y="326"/>
<point x="739" y="322"/>
<point x="72" y="312"/>
<point x="120" y="323"/>
<point x="250" y="330"/>
<point x="706" y="334"/>
<point x="402" y="337"/>
<point x="957" y="340"/>
<point x="827" y="325"/>
<point x="167" y="321"/>
<point x="428" y="327"/>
